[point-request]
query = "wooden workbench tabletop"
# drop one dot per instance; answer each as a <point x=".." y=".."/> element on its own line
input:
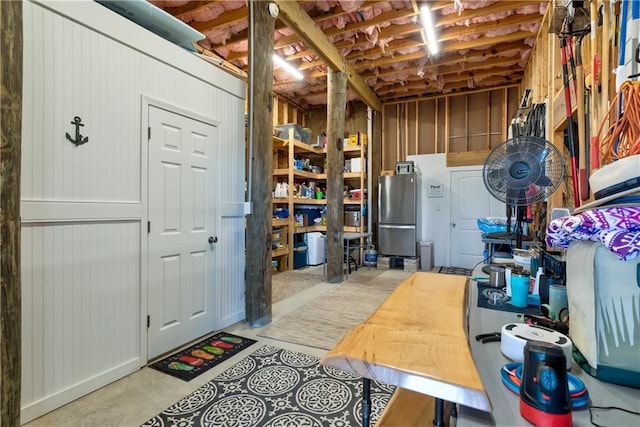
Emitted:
<point x="416" y="340"/>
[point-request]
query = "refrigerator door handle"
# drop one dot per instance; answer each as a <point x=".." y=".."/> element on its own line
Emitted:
<point x="407" y="227"/>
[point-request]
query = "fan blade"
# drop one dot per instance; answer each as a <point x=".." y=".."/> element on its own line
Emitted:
<point x="543" y="181"/>
<point x="540" y="153"/>
<point x="498" y="174"/>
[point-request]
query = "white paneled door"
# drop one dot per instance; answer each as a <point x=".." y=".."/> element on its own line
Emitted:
<point x="182" y="240"/>
<point x="470" y="200"/>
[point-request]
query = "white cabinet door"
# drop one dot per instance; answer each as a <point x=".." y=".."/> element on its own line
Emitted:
<point x="182" y="223"/>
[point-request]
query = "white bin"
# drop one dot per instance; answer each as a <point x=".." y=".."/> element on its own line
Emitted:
<point x="315" y="251"/>
<point x="426" y="255"/>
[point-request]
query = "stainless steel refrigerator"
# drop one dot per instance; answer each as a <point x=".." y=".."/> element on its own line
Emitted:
<point x="397" y="214"/>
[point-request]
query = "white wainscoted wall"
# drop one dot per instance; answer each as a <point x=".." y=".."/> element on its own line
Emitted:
<point x="85" y="208"/>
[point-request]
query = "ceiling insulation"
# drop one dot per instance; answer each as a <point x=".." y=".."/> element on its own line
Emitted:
<point x="483" y="43"/>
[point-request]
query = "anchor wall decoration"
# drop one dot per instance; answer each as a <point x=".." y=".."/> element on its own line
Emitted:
<point x="79" y="140"/>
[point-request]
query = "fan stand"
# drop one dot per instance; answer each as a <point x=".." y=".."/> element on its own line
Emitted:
<point x="521" y="212"/>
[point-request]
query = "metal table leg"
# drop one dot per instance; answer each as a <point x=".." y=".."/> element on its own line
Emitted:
<point x="366" y="402"/>
<point x="347" y="258"/>
<point x="438" y="420"/>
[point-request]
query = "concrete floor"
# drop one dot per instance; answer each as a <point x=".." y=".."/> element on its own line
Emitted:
<point x="136" y="398"/>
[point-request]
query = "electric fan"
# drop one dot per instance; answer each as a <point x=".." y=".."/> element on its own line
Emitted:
<point x="521" y="171"/>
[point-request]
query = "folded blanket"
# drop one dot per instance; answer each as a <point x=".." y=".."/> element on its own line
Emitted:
<point x="617" y="228"/>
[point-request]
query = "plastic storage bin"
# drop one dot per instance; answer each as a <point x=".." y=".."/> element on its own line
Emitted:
<point x="492" y="224"/>
<point x="300" y="255"/>
<point x="282" y="131"/>
<point x="315" y="248"/>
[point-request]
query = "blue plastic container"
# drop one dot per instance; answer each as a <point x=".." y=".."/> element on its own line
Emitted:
<point x="300" y="255"/>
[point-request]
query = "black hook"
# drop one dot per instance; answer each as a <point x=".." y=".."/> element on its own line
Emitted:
<point x="79" y="140"/>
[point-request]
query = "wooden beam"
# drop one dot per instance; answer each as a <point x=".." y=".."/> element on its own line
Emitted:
<point x="192" y="6"/>
<point x="471" y="14"/>
<point x="472" y="59"/>
<point x="224" y="20"/>
<point x="454" y="46"/>
<point x="10" y="155"/>
<point x="292" y="14"/>
<point x="458" y="32"/>
<point x="336" y="107"/>
<point x="258" y="276"/>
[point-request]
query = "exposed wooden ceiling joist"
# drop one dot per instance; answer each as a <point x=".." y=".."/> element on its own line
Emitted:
<point x="303" y="25"/>
<point x="381" y="45"/>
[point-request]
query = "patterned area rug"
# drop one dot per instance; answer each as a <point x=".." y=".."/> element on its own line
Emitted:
<point x="455" y="270"/>
<point x="273" y="387"/>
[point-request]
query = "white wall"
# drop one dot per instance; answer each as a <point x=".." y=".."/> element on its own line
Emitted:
<point x="84" y="208"/>
<point x="433" y="212"/>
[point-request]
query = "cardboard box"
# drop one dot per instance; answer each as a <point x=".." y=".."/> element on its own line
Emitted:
<point x="358" y="139"/>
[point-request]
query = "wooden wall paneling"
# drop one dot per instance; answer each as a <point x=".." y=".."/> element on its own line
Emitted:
<point x="400" y="133"/>
<point x="427" y="128"/>
<point x="447" y="114"/>
<point x="441" y="125"/>
<point x="505" y="115"/>
<point x="468" y="158"/>
<point x="497" y="119"/>
<point x="417" y="127"/>
<point x="487" y="140"/>
<point x="466" y="122"/>
<point x="411" y="127"/>
<point x="477" y="112"/>
<point x="317" y="122"/>
<point x="405" y="132"/>
<point x="513" y="101"/>
<point x="390" y="136"/>
<point x="356" y="118"/>
<point x="457" y="128"/>
<point x="274" y="106"/>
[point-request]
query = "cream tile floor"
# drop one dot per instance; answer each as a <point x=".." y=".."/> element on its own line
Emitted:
<point x="134" y="399"/>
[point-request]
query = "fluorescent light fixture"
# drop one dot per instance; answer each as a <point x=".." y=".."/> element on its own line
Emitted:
<point x="427" y="23"/>
<point x="287" y="67"/>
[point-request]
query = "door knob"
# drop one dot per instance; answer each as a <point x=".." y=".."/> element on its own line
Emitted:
<point x="453" y="224"/>
<point x="213" y="239"/>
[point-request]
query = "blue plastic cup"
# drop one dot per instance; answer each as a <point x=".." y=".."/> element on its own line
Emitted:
<point x="519" y="289"/>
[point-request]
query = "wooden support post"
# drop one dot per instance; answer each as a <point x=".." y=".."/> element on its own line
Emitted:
<point x="336" y="106"/>
<point x="258" y="276"/>
<point x="376" y="167"/>
<point x="10" y="152"/>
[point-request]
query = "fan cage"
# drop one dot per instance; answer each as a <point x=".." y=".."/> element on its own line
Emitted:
<point x="523" y="170"/>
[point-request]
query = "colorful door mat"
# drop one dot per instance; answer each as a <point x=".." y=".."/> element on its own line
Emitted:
<point x="199" y="358"/>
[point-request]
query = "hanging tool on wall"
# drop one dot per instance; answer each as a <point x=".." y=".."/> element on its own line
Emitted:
<point x="580" y="27"/>
<point x="596" y="46"/>
<point x="568" y="110"/>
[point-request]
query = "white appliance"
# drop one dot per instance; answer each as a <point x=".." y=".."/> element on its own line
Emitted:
<point x="315" y="248"/>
